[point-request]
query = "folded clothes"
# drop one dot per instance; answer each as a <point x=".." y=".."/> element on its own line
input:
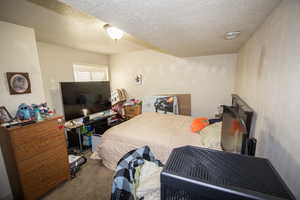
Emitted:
<point x="124" y="182"/>
<point x="148" y="186"/>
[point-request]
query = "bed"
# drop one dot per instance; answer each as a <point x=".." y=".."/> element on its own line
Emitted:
<point x="160" y="132"/>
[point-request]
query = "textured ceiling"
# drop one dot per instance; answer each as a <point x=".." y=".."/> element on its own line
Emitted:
<point x="183" y="27"/>
<point x="61" y="24"/>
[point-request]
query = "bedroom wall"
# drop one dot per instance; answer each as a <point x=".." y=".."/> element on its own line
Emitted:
<point x="18" y="54"/>
<point x="57" y="66"/>
<point x="210" y="79"/>
<point x="268" y="79"/>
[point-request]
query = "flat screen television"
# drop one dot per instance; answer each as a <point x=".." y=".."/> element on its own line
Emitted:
<point x="93" y="96"/>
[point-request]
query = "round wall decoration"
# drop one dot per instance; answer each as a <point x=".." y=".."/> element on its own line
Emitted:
<point x="19" y="83"/>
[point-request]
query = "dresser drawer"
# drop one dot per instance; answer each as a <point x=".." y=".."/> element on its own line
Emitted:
<point x="30" y="142"/>
<point x="28" y="165"/>
<point x="29" y="134"/>
<point x="43" y="172"/>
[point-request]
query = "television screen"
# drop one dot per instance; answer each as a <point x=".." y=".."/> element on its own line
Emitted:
<point x="93" y="96"/>
<point x="234" y="131"/>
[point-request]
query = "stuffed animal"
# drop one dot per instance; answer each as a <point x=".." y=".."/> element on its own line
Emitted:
<point x="37" y="112"/>
<point x="44" y="109"/>
<point x="25" y="112"/>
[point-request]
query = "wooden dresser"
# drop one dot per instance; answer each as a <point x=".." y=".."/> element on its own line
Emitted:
<point x="36" y="157"/>
<point x="132" y="111"/>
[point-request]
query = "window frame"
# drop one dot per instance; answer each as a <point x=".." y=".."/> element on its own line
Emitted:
<point x="84" y="67"/>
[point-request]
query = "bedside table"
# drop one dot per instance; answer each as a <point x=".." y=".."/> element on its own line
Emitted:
<point x="132" y="111"/>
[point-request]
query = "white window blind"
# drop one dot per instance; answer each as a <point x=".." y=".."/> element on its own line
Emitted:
<point x="90" y="73"/>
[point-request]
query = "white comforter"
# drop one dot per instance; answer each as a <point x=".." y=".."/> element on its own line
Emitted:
<point x="160" y="132"/>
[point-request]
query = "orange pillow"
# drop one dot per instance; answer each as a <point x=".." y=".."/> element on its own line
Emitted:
<point x="199" y="123"/>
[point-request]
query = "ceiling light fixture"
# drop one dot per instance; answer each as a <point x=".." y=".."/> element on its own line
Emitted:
<point x="232" y="35"/>
<point x="113" y="32"/>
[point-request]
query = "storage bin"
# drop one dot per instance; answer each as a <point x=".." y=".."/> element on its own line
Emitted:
<point x="95" y="141"/>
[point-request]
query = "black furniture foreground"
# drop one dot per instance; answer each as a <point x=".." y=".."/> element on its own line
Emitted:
<point x="193" y="173"/>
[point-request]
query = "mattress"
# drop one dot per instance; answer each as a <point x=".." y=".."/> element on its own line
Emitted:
<point x="160" y="132"/>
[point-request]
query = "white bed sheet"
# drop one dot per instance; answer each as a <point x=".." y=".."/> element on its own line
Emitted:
<point x="160" y="132"/>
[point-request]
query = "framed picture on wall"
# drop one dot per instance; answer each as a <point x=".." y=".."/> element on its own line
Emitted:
<point x="138" y="79"/>
<point x="4" y="115"/>
<point x="161" y="104"/>
<point x="18" y="83"/>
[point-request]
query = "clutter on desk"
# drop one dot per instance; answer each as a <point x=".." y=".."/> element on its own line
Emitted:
<point x="118" y="95"/>
<point x="73" y="124"/>
<point x="87" y="131"/>
<point x="119" y="99"/>
<point x="113" y="119"/>
<point x="118" y="108"/>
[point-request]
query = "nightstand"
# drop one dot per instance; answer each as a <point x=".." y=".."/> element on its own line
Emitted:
<point x="132" y="111"/>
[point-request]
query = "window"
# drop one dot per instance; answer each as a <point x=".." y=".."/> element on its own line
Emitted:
<point x="90" y="73"/>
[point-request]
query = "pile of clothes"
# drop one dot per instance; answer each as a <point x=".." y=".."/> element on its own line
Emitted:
<point x="137" y="176"/>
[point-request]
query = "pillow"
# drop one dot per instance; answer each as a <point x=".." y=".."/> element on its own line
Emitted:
<point x="199" y="123"/>
<point x="211" y="136"/>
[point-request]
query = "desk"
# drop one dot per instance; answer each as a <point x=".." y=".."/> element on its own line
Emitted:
<point x="99" y="123"/>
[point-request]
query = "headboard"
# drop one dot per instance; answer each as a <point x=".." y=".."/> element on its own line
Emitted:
<point x="238" y="117"/>
<point x="244" y="111"/>
<point x="184" y="103"/>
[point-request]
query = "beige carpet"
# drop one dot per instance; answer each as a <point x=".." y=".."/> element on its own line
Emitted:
<point x="93" y="182"/>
